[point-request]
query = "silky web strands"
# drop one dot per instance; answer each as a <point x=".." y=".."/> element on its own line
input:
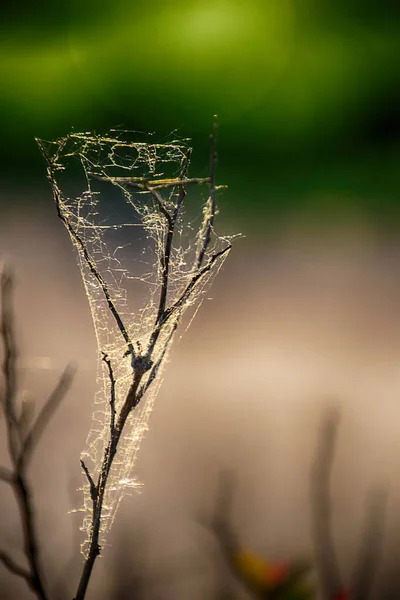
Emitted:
<point x="144" y="259"/>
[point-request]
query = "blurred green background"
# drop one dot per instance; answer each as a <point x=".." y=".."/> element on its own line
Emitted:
<point x="307" y="93"/>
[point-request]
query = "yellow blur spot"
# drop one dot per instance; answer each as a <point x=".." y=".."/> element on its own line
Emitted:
<point x="251" y="568"/>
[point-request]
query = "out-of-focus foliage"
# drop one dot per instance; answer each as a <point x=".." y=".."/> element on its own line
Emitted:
<point x="306" y="90"/>
<point x="282" y="581"/>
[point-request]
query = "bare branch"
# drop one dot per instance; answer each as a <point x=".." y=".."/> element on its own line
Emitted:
<point x="164" y="214"/>
<point x="195" y="279"/>
<point x="95" y="272"/>
<point x="321" y="507"/>
<point x="14" y="567"/>
<point x="370" y="547"/>
<point x="83" y="248"/>
<point x="160" y="203"/>
<point x="223" y="514"/>
<point x="112" y="391"/>
<point x="165" y="256"/>
<point x="184" y="296"/>
<point x="155" y="368"/>
<point x="141" y="183"/>
<point x="45" y="415"/>
<point x="7" y="333"/>
<point x="21" y="447"/>
<point x="209" y="211"/>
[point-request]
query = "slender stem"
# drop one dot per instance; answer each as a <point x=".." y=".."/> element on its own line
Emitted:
<point x="141" y="183"/>
<point x="83" y="249"/>
<point x="112" y="392"/>
<point x="321" y="508"/>
<point x="18" y="451"/>
<point x="209" y="211"/>
<point x="165" y="263"/>
<point x="166" y="318"/>
<point x="9" y="365"/>
<point x="109" y="454"/>
<point x="14" y="567"/>
<point x="46" y="414"/>
<point x="370" y="547"/>
<point x="30" y="535"/>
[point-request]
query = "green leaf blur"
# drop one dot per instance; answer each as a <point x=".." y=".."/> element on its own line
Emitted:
<point x="307" y="91"/>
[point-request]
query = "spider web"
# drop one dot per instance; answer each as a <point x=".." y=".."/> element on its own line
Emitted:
<point x="120" y="234"/>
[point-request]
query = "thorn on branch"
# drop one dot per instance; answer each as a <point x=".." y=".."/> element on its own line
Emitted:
<point x="112" y="391"/>
<point x="92" y="486"/>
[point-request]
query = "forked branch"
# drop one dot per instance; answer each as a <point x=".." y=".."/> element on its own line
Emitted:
<point x="22" y="438"/>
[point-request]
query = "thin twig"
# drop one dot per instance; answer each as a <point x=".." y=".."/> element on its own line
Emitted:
<point x="145" y="368"/>
<point x="112" y="392"/>
<point x="14" y="567"/>
<point x="209" y="211"/>
<point x="81" y="245"/>
<point x="45" y="415"/>
<point x="321" y="507"/>
<point x="195" y="280"/>
<point x="370" y="547"/>
<point x="223" y="515"/>
<point x="178" y="304"/>
<point x="156" y="367"/>
<point x="160" y="203"/>
<point x="22" y="444"/>
<point x="109" y="453"/>
<point x="8" y="398"/>
<point x="165" y="257"/>
<point x="141" y="183"/>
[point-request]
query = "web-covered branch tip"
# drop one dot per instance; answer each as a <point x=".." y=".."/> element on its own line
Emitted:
<point x="146" y="257"/>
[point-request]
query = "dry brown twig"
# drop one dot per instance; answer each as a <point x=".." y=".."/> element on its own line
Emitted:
<point x="321" y="507"/>
<point x="370" y="550"/>
<point x="23" y="435"/>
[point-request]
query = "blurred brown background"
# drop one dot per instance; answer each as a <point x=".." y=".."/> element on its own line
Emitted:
<point x="299" y="321"/>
